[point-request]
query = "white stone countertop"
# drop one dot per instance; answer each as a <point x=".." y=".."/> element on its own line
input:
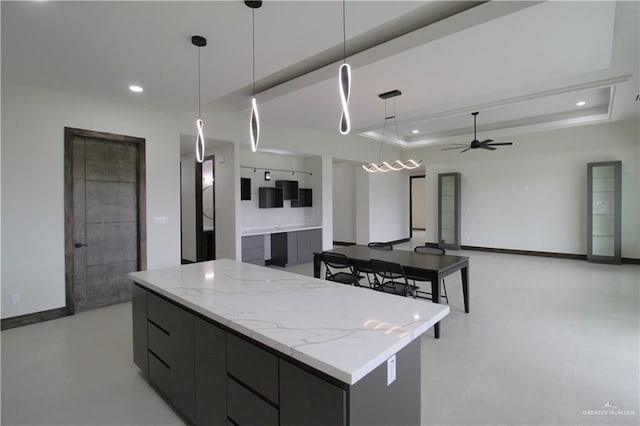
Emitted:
<point x="341" y="330"/>
<point x="246" y="232"/>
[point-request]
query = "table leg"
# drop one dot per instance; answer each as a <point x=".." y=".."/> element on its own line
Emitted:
<point x="435" y="294"/>
<point x="465" y="287"/>
<point x="316" y="265"/>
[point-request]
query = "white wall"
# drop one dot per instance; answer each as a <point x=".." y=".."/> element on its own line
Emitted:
<point x="533" y="195"/>
<point x="344" y="202"/>
<point x="188" y="212"/>
<point x="33" y="122"/>
<point x="418" y="195"/>
<point x="388" y="206"/>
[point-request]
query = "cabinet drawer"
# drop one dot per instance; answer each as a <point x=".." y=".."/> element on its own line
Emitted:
<point x="253" y="241"/>
<point x="245" y="408"/>
<point x="252" y="254"/>
<point x="160" y="375"/>
<point x="161" y="312"/>
<point x="160" y="343"/>
<point x="253" y="366"/>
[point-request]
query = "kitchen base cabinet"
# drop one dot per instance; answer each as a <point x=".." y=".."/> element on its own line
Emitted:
<point x="213" y="376"/>
<point x="211" y="373"/>
<point x="296" y="247"/>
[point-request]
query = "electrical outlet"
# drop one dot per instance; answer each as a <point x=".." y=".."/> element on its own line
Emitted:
<point x="15" y="298"/>
<point x="391" y="370"/>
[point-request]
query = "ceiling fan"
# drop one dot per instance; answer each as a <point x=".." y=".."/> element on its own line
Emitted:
<point x="475" y="143"/>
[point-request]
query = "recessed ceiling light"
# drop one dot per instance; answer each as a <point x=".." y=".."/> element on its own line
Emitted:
<point x="414" y="131"/>
<point x="581" y="103"/>
<point x="135" y="88"/>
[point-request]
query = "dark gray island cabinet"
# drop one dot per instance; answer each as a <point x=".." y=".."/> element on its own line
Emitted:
<point x="221" y="357"/>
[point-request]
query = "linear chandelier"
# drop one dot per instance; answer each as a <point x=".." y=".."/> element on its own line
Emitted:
<point x="254" y="117"/>
<point x="344" y="80"/>
<point x="385" y="166"/>
<point x="199" y="42"/>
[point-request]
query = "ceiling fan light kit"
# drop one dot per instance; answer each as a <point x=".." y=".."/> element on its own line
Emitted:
<point x="475" y="143"/>
<point x="384" y="166"/>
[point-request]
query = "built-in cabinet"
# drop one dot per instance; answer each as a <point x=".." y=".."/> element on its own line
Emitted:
<point x="449" y="211"/>
<point x="604" y="212"/>
<point x="214" y="376"/>
<point x="253" y="249"/>
<point x="293" y="248"/>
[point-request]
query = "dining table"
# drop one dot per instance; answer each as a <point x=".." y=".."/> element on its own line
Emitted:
<point x="428" y="267"/>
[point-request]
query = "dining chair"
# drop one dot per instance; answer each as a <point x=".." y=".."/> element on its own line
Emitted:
<point x="380" y="246"/>
<point x="426" y="294"/>
<point x="392" y="278"/>
<point x="364" y="267"/>
<point x="338" y="268"/>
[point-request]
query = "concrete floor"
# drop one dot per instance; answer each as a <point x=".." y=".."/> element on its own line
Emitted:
<point x="547" y="342"/>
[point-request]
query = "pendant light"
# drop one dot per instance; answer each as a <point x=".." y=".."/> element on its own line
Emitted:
<point x="384" y="166"/>
<point x="199" y="42"/>
<point x="344" y="80"/>
<point x="254" y="117"/>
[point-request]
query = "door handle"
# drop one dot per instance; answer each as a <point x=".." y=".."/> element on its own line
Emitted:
<point x="78" y="245"/>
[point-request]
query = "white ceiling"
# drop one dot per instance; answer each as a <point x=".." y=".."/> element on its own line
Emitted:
<point x="523" y="65"/>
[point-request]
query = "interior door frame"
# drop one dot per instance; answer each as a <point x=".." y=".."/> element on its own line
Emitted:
<point x="411" y="178"/>
<point x="200" y="247"/>
<point x="69" y="134"/>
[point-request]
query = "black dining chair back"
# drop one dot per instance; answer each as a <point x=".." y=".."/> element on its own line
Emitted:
<point x="380" y="246"/>
<point x="425" y="294"/>
<point x="429" y="250"/>
<point x="392" y="278"/>
<point x="364" y="267"/>
<point x="338" y="268"/>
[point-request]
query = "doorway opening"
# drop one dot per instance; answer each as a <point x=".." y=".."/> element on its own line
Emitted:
<point x="105" y="217"/>
<point x="205" y="209"/>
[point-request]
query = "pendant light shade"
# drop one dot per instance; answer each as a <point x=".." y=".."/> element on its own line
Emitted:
<point x="254" y="117"/>
<point x="344" y="80"/>
<point x="345" y="92"/>
<point x="254" y="125"/>
<point x="385" y="166"/>
<point x="199" y="42"/>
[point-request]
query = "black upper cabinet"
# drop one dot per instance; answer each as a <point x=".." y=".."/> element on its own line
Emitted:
<point x="245" y="188"/>
<point x="269" y="197"/>
<point x="305" y="197"/>
<point x="289" y="189"/>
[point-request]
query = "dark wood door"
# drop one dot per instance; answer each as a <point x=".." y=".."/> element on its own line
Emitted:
<point x="105" y="220"/>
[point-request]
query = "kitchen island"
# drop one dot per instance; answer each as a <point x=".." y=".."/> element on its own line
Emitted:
<point x="232" y="343"/>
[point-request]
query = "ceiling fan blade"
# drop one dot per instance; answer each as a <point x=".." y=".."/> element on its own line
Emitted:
<point x="455" y="147"/>
<point x="487" y="141"/>
<point x="500" y="143"/>
<point x="465" y="150"/>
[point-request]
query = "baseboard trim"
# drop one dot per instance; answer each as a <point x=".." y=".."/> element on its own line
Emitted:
<point x="570" y="256"/>
<point x="343" y="243"/>
<point x="33" y="318"/>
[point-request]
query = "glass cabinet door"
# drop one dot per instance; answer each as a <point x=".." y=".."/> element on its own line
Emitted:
<point x="449" y="210"/>
<point x="604" y="212"/>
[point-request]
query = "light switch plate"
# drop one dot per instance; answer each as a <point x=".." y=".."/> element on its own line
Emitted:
<point x="391" y="370"/>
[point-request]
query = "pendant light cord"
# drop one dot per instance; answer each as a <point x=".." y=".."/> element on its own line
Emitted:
<point x="253" y="47"/>
<point x="344" y="34"/>
<point x="199" y="102"/>
<point x="395" y="121"/>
